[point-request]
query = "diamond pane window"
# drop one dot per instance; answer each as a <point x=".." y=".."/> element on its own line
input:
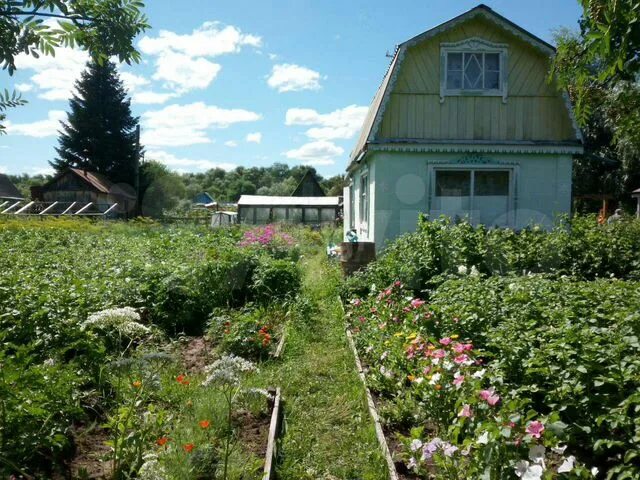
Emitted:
<point x="479" y="71"/>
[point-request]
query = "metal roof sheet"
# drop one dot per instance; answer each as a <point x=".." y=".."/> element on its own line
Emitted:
<point x="266" y="200"/>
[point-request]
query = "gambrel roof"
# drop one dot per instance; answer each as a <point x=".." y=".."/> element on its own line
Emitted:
<point x="376" y="111"/>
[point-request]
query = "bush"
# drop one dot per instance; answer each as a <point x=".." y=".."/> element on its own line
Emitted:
<point x="579" y="248"/>
<point x="559" y="351"/>
<point x="275" y="280"/>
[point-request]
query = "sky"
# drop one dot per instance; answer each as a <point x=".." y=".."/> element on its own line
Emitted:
<point x="248" y="82"/>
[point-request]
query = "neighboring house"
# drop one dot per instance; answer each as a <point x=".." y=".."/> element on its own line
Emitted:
<point x="262" y="209"/>
<point x="8" y="190"/>
<point x="82" y="186"/>
<point x="308" y="186"/>
<point x="203" y="199"/>
<point x="465" y="124"/>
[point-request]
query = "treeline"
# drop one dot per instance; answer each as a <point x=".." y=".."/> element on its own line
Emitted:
<point x="162" y="190"/>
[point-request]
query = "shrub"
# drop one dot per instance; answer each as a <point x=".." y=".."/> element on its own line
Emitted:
<point x="580" y="248"/>
<point x="275" y="280"/>
<point x="559" y="351"/>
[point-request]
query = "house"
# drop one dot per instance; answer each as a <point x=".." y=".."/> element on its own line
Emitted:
<point x="82" y="186"/>
<point x="262" y="209"/>
<point x="465" y="124"/>
<point x="204" y="199"/>
<point x="308" y="186"/>
<point x="8" y="191"/>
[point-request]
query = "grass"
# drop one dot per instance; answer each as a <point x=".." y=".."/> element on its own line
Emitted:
<point x="328" y="433"/>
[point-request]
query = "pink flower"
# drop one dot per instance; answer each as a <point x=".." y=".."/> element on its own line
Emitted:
<point x="468" y="347"/>
<point x="406" y="309"/>
<point x="466" y="411"/>
<point x="362" y="319"/>
<point x="417" y="303"/>
<point x="489" y="396"/>
<point x="535" y="429"/>
<point x="445" y="341"/>
<point x="439" y="353"/>
<point x="461" y="358"/>
<point x="457" y="381"/>
<point x="458" y="348"/>
<point x="357" y="302"/>
<point x="426" y="371"/>
<point x="397" y="283"/>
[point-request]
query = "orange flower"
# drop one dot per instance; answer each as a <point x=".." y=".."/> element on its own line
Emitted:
<point x="162" y="441"/>
<point x="204" y="423"/>
<point x="188" y="447"/>
<point x="438" y="386"/>
<point x="137" y="384"/>
<point x="182" y="380"/>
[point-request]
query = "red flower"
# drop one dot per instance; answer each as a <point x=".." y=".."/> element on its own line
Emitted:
<point x="162" y="441"/>
<point x="204" y="424"/>
<point x="181" y="379"/>
<point x="188" y="447"/>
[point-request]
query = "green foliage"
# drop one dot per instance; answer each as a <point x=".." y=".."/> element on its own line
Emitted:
<point x="8" y="100"/>
<point x="579" y="247"/>
<point x="560" y="351"/>
<point x="160" y="189"/>
<point x="102" y="27"/>
<point x="275" y="280"/>
<point x="100" y="132"/>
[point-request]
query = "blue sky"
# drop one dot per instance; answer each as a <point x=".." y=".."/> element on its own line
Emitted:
<point x="249" y="82"/>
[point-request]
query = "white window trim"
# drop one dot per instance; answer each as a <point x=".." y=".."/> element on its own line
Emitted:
<point x="513" y="175"/>
<point x="474" y="45"/>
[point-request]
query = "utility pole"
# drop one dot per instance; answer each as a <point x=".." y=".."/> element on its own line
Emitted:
<point x="137" y="171"/>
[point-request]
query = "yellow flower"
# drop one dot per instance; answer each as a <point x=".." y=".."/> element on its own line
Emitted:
<point x="412" y="336"/>
<point x="399" y="334"/>
<point x="411" y="378"/>
<point x="453" y="337"/>
<point x="431" y="347"/>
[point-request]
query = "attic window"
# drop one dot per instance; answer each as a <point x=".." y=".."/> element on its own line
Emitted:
<point x="473" y="67"/>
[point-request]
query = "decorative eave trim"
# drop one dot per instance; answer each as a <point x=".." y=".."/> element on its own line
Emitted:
<point x="490" y="15"/>
<point x="564" y="149"/>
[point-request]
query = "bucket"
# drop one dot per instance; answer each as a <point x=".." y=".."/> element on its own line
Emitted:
<point x="354" y="256"/>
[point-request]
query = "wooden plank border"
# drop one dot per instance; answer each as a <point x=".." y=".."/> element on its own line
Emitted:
<point x="280" y="347"/>
<point x="274" y="430"/>
<point x="382" y="441"/>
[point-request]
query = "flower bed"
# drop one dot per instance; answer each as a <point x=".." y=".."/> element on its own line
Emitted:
<point x="506" y="378"/>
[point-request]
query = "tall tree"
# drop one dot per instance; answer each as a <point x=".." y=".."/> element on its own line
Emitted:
<point x="99" y="134"/>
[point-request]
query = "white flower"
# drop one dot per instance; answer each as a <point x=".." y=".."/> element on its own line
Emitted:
<point x="151" y="468"/>
<point x="447" y="365"/>
<point x="528" y="472"/>
<point x="536" y="454"/>
<point x="416" y="444"/>
<point x="49" y="362"/>
<point x="462" y="270"/>
<point x="124" y="321"/>
<point x="384" y="355"/>
<point x="567" y="465"/>
<point x="227" y="370"/>
<point x="418" y="380"/>
<point x="594" y="471"/>
<point x="435" y="378"/>
<point x="412" y="463"/>
<point x="474" y="272"/>
<point x="449" y="449"/>
<point x="483" y="439"/>
<point x="479" y="373"/>
<point x="559" y="449"/>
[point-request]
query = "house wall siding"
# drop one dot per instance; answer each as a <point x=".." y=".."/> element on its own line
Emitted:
<point x="534" y="110"/>
<point x="542" y="188"/>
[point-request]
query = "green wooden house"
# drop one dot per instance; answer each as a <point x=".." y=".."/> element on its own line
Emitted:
<point x="465" y="124"/>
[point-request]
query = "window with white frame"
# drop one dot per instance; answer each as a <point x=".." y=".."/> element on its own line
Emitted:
<point x="364" y="202"/>
<point x="475" y="67"/>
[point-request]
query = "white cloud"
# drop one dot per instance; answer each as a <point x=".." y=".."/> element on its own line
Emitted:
<point x="273" y="56"/>
<point x="343" y="123"/>
<point x="186" y="164"/>
<point x="209" y="40"/>
<point x="3" y="169"/>
<point x="40" y="128"/>
<point x="42" y="171"/>
<point x="179" y="125"/>
<point x="24" y="87"/>
<point x="55" y="76"/>
<point x="288" y="77"/>
<point x="320" y="152"/>
<point x="181" y="59"/>
<point x="133" y="82"/>
<point x="185" y="73"/>
<point x="150" y="97"/>
<point x="254" y="137"/>
<point x="231" y="144"/>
